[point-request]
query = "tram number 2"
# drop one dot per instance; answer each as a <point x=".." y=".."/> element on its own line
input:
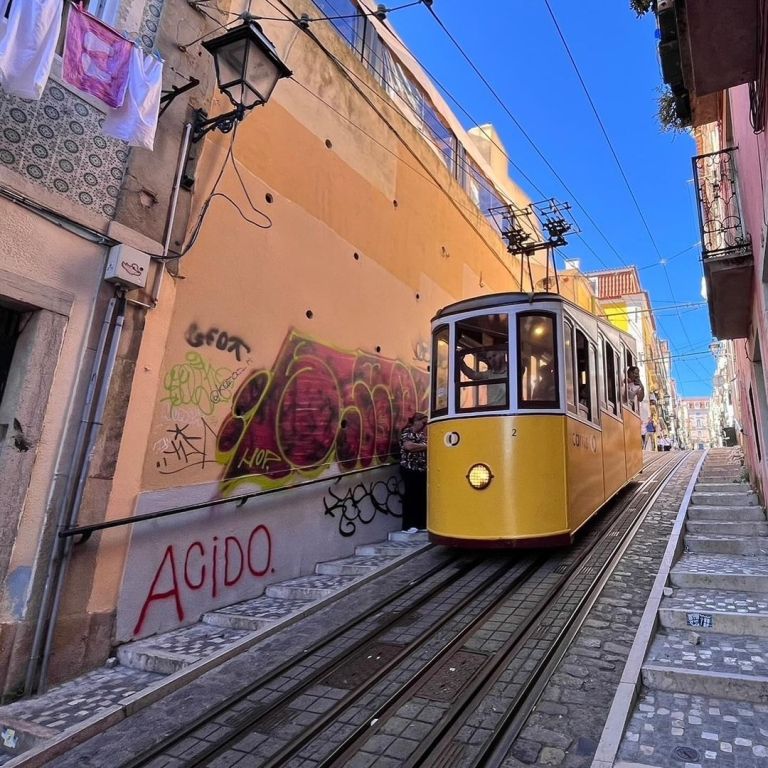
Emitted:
<point x="513" y="432"/>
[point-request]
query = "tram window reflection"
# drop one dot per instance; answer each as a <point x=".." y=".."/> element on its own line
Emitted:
<point x="593" y="383"/>
<point x="584" y="376"/>
<point x="570" y="371"/>
<point x="537" y="369"/>
<point x="440" y="350"/>
<point x="482" y="345"/>
<point x="611" y="392"/>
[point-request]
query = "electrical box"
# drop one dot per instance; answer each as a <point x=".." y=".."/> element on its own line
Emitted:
<point x="127" y="266"/>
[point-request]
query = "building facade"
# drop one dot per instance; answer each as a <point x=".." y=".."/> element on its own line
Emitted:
<point x="724" y="100"/>
<point x="251" y="395"/>
<point x="698" y="432"/>
<point x="69" y="195"/>
<point x="628" y="306"/>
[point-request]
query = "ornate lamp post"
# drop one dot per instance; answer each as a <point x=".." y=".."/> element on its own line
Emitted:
<point x="247" y="71"/>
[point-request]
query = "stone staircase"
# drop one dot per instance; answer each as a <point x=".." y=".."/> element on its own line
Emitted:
<point x="705" y="675"/>
<point x="148" y="667"/>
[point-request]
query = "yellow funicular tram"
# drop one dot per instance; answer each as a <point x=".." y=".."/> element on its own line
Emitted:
<point x="530" y="427"/>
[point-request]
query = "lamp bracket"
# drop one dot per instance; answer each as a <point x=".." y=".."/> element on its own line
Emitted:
<point x="202" y="124"/>
<point x="167" y="97"/>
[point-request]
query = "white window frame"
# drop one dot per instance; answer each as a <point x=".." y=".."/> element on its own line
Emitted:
<point x="106" y="10"/>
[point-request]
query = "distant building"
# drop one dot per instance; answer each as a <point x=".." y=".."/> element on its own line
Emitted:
<point x="724" y="100"/>
<point x="697" y="426"/>
<point x="627" y="305"/>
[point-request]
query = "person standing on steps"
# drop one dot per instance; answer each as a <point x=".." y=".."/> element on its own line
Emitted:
<point x="413" y="468"/>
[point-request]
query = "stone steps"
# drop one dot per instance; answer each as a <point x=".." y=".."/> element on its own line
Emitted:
<point x="736" y="613"/>
<point x="726" y="528"/>
<point x="726" y="545"/>
<point x="748" y="499"/>
<point x="723" y="666"/>
<point x="29" y="723"/>
<point x="711" y="512"/>
<point x="711" y="486"/>
<point x="389" y="548"/>
<point x="677" y="730"/>
<point x="720" y="572"/>
<point x="704" y="694"/>
<point x="171" y="651"/>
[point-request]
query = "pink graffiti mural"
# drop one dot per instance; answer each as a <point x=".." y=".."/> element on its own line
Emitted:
<point x="316" y="407"/>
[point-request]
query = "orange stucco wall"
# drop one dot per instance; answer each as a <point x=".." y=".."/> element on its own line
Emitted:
<point x="367" y="236"/>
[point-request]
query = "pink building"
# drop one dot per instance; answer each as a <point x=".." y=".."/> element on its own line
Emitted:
<point x="714" y="59"/>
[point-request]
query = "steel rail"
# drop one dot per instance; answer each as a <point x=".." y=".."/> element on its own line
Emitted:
<point x="159" y="748"/>
<point x="322" y="723"/>
<point x="341" y="754"/>
<point x="495" y="751"/>
<point x="523" y="703"/>
<point x="238" y="696"/>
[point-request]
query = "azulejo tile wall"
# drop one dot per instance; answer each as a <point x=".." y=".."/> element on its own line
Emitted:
<point x="57" y="142"/>
<point x="151" y="22"/>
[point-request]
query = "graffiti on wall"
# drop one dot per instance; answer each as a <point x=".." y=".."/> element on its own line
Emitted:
<point x="362" y="502"/>
<point x="199" y="383"/>
<point x="214" y="337"/>
<point x="318" y="406"/>
<point x="211" y="566"/>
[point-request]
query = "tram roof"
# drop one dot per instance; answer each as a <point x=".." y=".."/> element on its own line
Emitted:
<point x="500" y="300"/>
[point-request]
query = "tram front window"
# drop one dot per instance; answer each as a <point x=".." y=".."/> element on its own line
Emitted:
<point x="482" y="345"/>
<point x="537" y="370"/>
<point x="440" y="350"/>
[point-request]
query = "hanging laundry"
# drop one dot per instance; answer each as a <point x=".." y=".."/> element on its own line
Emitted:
<point x="96" y="58"/>
<point x="27" y="46"/>
<point x="136" y="121"/>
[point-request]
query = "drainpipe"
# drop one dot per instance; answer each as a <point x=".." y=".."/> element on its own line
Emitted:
<point x="160" y="272"/>
<point x="71" y="499"/>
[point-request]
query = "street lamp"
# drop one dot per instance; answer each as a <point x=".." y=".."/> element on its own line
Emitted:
<point x="247" y="70"/>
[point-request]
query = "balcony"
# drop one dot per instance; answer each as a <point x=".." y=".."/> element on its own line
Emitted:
<point x="706" y="47"/>
<point x="726" y="249"/>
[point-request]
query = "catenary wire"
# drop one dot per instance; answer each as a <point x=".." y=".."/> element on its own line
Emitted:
<point x="527" y="136"/>
<point x="616" y="158"/>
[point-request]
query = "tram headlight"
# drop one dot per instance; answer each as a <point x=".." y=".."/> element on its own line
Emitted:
<point x="479" y="476"/>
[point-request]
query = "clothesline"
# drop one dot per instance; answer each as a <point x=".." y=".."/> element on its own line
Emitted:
<point x="96" y="60"/>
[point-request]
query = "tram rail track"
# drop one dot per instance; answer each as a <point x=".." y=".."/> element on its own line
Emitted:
<point x="439" y="748"/>
<point x="238" y="721"/>
<point x="241" y="717"/>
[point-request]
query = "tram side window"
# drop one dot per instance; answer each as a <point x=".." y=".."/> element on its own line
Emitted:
<point x="440" y="370"/>
<point x="584" y="375"/>
<point x="629" y="362"/>
<point x="570" y="371"/>
<point x="593" y="383"/>
<point x="537" y="363"/>
<point x="611" y="392"/>
<point x="482" y="379"/>
<point x="601" y="370"/>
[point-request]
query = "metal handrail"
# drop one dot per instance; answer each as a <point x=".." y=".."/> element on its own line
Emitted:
<point x="86" y="530"/>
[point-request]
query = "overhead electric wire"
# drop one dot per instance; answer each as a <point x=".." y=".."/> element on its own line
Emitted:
<point x="667" y="260"/>
<point x="350" y="73"/>
<point x="522" y="130"/>
<point x="619" y="165"/>
<point x="602" y="128"/>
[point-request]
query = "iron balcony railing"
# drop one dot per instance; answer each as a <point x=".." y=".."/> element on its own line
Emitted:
<point x="717" y="196"/>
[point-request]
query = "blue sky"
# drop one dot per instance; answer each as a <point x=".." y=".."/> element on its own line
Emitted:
<point x="517" y="48"/>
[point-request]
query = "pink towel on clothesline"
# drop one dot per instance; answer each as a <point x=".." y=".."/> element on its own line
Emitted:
<point x="96" y="58"/>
